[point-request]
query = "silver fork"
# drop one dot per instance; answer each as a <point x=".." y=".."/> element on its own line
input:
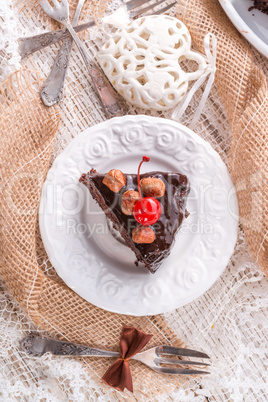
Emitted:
<point x="52" y="89"/>
<point x="37" y="345"/>
<point x="32" y="44"/>
<point x="111" y="103"/>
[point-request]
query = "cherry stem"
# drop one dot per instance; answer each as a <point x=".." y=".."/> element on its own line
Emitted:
<point x="144" y="159"/>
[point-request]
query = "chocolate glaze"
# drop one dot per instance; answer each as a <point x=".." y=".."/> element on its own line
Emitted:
<point x="173" y="212"/>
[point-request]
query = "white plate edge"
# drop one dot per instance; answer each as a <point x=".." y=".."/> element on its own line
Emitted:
<point x="241" y="26"/>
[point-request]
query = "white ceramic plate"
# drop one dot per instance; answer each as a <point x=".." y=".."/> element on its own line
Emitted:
<point x="253" y="25"/>
<point x="96" y="265"/>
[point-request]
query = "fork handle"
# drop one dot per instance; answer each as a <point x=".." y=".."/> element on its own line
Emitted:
<point x="52" y="89"/>
<point x="36" y="345"/>
<point x="110" y="99"/>
<point x="32" y="44"/>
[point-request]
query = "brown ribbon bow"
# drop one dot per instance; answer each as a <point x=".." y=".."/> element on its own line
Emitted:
<point x="118" y="374"/>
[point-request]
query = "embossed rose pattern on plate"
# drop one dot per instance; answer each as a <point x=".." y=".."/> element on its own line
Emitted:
<point x="100" y="268"/>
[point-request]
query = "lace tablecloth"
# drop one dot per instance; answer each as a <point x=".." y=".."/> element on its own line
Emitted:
<point x="229" y="321"/>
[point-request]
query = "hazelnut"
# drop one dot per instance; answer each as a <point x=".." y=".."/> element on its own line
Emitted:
<point x="151" y="186"/>
<point x="143" y="234"/>
<point x="114" y="180"/>
<point x="129" y="199"/>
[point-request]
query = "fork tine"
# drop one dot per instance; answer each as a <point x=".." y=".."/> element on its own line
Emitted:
<point x="145" y="9"/>
<point x="46" y="6"/>
<point x="179" y="371"/>
<point x="135" y="3"/>
<point x="164" y="9"/>
<point x="56" y="3"/>
<point x="162" y="360"/>
<point x="171" y="350"/>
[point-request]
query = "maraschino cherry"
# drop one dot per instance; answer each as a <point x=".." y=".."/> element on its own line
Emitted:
<point x="147" y="210"/>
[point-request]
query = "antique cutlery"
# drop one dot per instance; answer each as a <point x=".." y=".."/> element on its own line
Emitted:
<point x="112" y="104"/>
<point x="37" y="345"/>
<point x="31" y="44"/>
<point x="52" y="89"/>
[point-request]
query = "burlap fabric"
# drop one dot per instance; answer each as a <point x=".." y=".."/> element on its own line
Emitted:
<point x="27" y="133"/>
<point x="243" y="89"/>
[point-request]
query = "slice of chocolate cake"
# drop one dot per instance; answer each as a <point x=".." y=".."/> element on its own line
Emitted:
<point x="117" y="194"/>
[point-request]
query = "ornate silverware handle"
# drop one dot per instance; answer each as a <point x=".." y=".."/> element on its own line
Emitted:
<point x="109" y="98"/>
<point x="36" y="345"/>
<point x="31" y="44"/>
<point x="52" y="90"/>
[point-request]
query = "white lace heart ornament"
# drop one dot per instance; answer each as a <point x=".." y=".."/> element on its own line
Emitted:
<point x="143" y="62"/>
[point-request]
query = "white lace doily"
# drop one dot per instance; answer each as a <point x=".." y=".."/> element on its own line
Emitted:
<point x="229" y="322"/>
<point x="9" y="56"/>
